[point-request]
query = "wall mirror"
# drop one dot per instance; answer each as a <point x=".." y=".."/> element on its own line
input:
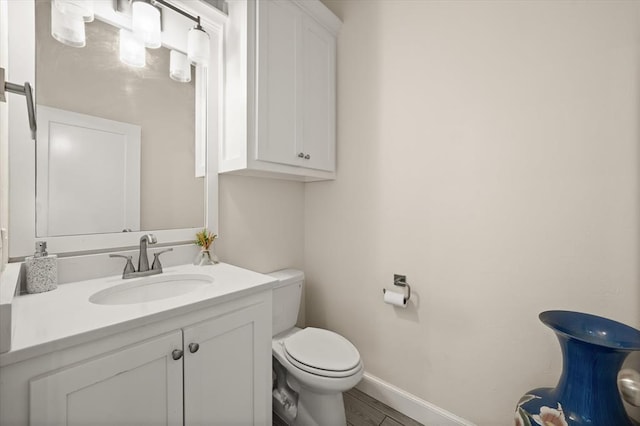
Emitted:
<point x="116" y="144"/>
<point x="120" y="150"/>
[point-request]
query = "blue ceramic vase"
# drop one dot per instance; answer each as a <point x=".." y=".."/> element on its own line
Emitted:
<point x="593" y="350"/>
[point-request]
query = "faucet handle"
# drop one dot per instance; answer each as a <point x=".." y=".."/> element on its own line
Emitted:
<point x="156" y="259"/>
<point x="128" y="268"/>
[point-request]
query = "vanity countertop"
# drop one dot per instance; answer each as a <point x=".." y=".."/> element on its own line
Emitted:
<point x="65" y="317"/>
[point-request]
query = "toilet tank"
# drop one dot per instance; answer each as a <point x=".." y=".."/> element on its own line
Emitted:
<point x="286" y="299"/>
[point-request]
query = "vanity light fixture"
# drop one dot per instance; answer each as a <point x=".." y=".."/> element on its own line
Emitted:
<point x="67" y="28"/>
<point x="198" y="45"/>
<point x="179" y="67"/>
<point x="132" y="51"/>
<point x="81" y="9"/>
<point x="145" y="22"/>
<point x="69" y="16"/>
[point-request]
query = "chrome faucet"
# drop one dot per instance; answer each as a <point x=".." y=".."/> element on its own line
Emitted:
<point x="143" y="260"/>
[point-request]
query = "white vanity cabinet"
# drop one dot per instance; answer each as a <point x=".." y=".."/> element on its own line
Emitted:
<point x="221" y="372"/>
<point x="136" y="385"/>
<point x="281" y="90"/>
<point x="211" y="366"/>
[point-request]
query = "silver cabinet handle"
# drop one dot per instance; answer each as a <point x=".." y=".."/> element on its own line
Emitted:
<point x="306" y="157"/>
<point x="177" y="354"/>
<point x="193" y="347"/>
<point x="301" y="155"/>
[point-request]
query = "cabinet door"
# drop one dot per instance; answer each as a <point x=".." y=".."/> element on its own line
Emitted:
<point x="279" y="27"/>
<point x="228" y="378"/>
<point x="138" y="385"/>
<point x="318" y="96"/>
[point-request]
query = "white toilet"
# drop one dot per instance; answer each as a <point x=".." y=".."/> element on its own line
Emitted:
<point x="311" y="366"/>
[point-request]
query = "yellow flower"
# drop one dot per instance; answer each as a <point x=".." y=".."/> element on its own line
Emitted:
<point x="204" y="239"/>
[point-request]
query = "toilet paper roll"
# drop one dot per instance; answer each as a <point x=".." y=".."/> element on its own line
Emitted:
<point x="393" y="298"/>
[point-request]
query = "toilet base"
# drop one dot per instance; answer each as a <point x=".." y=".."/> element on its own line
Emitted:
<point x="320" y="409"/>
<point x="319" y="398"/>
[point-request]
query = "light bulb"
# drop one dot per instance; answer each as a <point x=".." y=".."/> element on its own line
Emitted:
<point x="179" y="67"/>
<point x="145" y="22"/>
<point x="198" y="48"/>
<point x="81" y="9"/>
<point x="67" y="29"/>
<point x="132" y="51"/>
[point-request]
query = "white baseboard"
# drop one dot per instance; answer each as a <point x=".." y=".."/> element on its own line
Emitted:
<point x="408" y="404"/>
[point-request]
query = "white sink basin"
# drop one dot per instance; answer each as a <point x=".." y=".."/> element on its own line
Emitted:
<point x="152" y="288"/>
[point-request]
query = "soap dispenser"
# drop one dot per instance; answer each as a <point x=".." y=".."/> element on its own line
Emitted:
<point x="42" y="270"/>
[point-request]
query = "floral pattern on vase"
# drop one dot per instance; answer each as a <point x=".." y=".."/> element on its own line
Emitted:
<point x="593" y="350"/>
<point x="546" y="417"/>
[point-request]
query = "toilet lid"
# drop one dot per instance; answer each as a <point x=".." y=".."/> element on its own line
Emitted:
<point x="322" y="350"/>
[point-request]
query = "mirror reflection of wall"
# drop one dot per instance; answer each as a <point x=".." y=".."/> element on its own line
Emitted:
<point x="93" y="82"/>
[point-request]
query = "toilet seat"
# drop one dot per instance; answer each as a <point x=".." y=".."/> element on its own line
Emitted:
<point x="322" y="352"/>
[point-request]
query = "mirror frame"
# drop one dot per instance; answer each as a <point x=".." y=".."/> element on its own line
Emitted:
<point x="22" y="167"/>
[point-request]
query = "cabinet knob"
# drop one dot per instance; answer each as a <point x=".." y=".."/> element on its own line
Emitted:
<point x="177" y="354"/>
<point x="306" y="157"/>
<point x="193" y="347"/>
<point x="301" y="155"/>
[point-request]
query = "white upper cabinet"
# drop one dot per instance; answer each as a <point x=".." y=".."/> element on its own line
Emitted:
<point x="318" y="103"/>
<point x="280" y="90"/>
<point x="279" y="26"/>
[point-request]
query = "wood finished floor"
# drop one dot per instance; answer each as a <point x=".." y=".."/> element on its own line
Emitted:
<point x="363" y="410"/>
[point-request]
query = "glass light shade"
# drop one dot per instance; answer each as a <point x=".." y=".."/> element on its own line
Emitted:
<point x="67" y="29"/>
<point x="81" y="9"/>
<point x="145" y="23"/>
<point x="132" y="51"/>
<point x="179" y="67"/>
<point x="198" y="48"/>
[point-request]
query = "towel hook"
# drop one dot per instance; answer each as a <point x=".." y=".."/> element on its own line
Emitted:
<point x="25" y="90"/>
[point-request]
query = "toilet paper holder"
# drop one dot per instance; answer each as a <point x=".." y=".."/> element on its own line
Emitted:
<point x="401" y="281"/>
